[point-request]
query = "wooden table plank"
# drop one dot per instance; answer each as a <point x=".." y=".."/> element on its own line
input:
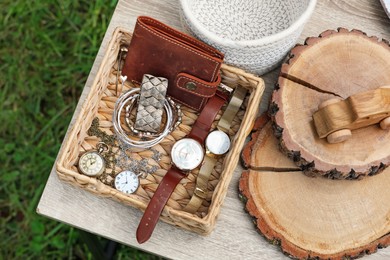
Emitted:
<point x="234" y="235"/>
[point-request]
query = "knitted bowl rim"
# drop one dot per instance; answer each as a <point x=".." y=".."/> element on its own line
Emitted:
<point x="243" y="43"/>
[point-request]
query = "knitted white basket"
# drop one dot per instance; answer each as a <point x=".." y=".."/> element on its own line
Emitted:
<point x="254" y="35"/>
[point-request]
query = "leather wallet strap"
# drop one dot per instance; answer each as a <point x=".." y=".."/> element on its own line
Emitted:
<point x="157" y="203"/>
<point x="202" y="125"/>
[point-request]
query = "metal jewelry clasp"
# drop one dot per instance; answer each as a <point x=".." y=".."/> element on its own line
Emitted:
<point x="102" y="147"/>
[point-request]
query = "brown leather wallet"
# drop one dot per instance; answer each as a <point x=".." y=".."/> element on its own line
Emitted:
<point x="191" y="66"/>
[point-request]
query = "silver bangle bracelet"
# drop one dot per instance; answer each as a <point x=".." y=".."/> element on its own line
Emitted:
<point x="173" y="113"/>
<point x="144" y="143"/>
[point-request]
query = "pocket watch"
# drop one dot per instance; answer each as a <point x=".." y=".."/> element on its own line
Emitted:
<point x="92" y="163"/>
<point x="127" y="182"/>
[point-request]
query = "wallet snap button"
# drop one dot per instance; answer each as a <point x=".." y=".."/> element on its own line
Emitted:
<point x="190" y="85"/>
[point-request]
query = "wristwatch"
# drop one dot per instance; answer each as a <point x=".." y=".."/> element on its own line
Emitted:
<point x="217" y="144"/>
<point x="186" y="154"/>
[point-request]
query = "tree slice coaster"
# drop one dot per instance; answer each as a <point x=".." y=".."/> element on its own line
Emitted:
<point x="335" y="64"/>
<point x="314" y="217"/>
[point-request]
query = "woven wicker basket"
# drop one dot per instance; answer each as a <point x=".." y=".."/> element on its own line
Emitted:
<point x="100" y="103"/>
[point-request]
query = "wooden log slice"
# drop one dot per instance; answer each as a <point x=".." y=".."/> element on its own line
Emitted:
<point x="313" y="217"/>
<point x="335" y="64"/>
<point x="260" y="152"/>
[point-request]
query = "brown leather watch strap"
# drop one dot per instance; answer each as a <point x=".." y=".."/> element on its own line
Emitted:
<point x="202" y="125"/>
<point x="157" y="203"/>
<point x="167" y="185"/>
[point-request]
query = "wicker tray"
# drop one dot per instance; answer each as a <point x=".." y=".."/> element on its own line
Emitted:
<point x="100" y="103"/>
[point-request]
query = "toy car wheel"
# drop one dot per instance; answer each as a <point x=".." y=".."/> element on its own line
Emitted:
<point x="328" y="102"/>
<point x="339" y="136"/>
<point x="385" y="123"/>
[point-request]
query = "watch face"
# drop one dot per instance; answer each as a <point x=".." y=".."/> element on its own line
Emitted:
<point x="187" y="154"/>
<point x="91" y="163"/>
<point x="218" y="142"/>
<point x="127" y="182"/>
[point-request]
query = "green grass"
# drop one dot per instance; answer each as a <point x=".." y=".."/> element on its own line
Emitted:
<point x="46" y="51"/>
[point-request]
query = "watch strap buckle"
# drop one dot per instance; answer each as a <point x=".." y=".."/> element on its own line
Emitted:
<point x="200" y="193"/>
<point x="224" y="88"/>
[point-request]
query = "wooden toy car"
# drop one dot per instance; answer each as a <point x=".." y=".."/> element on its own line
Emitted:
<point x="335" y="118"/>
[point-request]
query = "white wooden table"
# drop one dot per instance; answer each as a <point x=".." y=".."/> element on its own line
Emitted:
<point x="234" y="236"/>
